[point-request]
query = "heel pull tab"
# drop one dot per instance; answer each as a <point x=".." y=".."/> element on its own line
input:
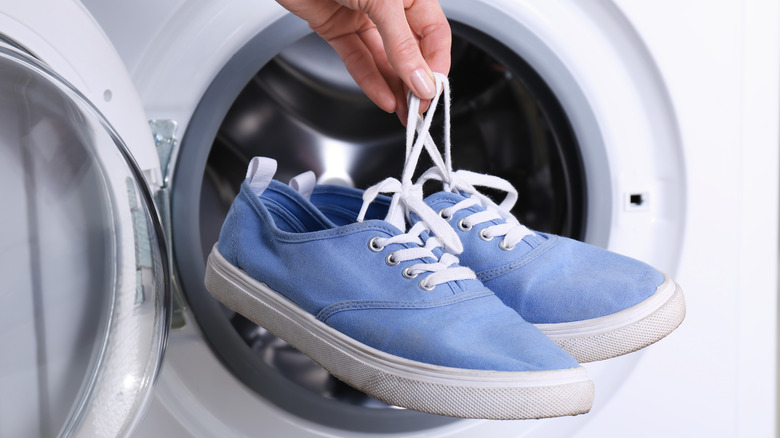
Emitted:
<point x="304" y="183"/>
<point x="260" y="172"/>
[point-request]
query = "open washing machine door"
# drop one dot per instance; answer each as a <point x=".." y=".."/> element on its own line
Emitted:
<point x="84" y="301"/>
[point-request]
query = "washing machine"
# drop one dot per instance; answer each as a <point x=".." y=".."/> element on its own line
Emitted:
<point x="649" y="129"/>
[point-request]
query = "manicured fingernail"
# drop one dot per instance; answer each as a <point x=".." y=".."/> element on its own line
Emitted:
<point x="423" y="84"/>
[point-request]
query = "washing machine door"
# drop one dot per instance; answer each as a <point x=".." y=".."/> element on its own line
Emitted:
<point x="85" y="288"/>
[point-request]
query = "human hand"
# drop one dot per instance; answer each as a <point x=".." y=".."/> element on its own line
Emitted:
<point x="388" y="46"/>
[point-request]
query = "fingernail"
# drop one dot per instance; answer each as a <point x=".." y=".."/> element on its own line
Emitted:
<point x="423" y="84"/>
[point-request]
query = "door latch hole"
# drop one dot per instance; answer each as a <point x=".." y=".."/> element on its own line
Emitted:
<point x="636" y="201"/>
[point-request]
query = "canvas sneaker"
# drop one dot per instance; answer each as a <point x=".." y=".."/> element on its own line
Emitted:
<point x="594" y="303"/>
<point x="382" y="307"/>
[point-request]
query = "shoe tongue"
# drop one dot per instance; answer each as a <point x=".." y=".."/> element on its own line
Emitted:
<point x="260" y="172"/>
<point x="443" y="199"/>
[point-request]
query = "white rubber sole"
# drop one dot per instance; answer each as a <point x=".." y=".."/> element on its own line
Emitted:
<point x="396" y="380"/>
<point x="623" y="332"/>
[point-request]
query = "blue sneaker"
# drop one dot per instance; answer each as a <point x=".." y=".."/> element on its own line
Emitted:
<point x="593" y="303"/>
<point x="384" y="308"/>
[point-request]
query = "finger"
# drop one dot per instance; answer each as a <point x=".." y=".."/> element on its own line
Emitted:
<point x="361" y="66"/>
<point x="402" y="109"/>
<point x="373" y="41"/>
<point x="427" y="20"/>
<point x="401" y="46"/>
<point x="315" y="13"/>
<point x="340" y="27"/>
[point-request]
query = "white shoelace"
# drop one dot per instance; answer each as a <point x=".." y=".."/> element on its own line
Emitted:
<point x="407" y="200"/>
<point x="465" y="182"/>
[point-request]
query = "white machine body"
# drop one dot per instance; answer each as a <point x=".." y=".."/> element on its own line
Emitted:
<point x="676" y="103"/>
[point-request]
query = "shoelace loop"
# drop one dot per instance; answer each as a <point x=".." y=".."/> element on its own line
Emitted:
<point x="465" y="182"/>
<point x="407" y="200"/>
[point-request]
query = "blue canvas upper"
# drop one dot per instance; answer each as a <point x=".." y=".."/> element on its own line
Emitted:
<point x="545" y="278"/>
<point x="279" y="238"/>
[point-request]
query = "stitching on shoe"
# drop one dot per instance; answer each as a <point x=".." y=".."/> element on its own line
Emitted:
<point x="234" y="235"/>
<point x="332" y="309"/>
<point x="501" y="270"/>
<point x="344" y="212"/>
<point x="306" y="206"/>
<point x="274" y="207"/>
<point x="330" y="233"/>
<point x="283" y="236"/>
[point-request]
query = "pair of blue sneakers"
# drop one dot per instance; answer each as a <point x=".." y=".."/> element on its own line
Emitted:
<point x="369" y="286"/>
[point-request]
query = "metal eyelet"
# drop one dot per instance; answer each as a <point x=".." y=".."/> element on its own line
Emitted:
<point x="462" y="225"/>
<point x="390" y="260"/>
<point x="425" y="286"/>
<point x="483" y="236"/>
<point x="407" y="273"/>
<point x="374" y="246"/>
<point x="444" y="215"/>
<point x="504" y="247"/>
